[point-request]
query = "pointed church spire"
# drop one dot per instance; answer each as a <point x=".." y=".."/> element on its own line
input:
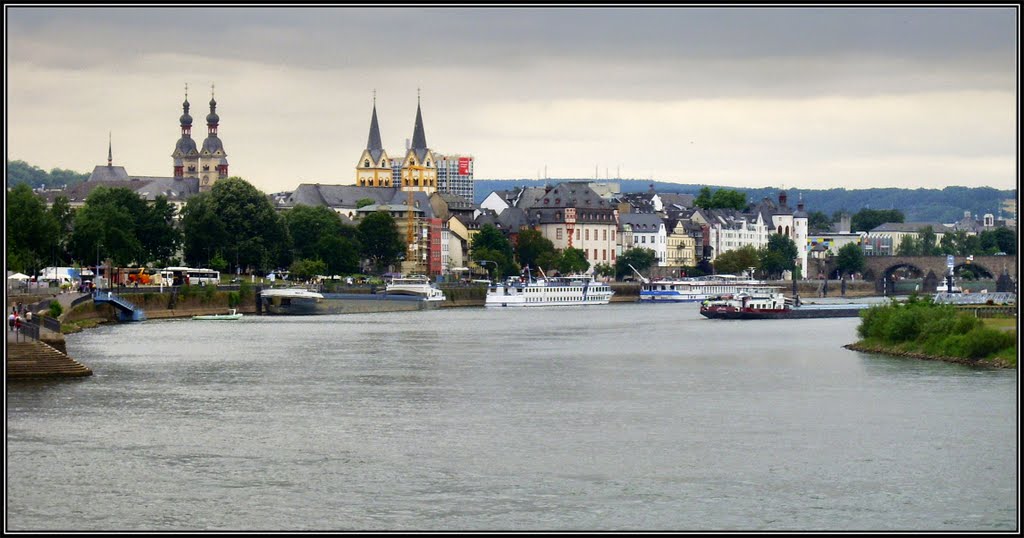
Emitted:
<point x="419" y="139"/>
<point x="110" y="149"/>
<point x="373" y="142"/>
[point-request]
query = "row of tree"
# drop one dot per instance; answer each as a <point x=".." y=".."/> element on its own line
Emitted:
<point x="959" y="243"/>
<point x="234" y="225"/>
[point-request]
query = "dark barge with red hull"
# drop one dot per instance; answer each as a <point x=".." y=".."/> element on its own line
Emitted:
<point x="773" y="306"/>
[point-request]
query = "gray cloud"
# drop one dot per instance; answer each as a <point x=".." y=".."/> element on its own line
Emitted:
<point x="524" y="87"/>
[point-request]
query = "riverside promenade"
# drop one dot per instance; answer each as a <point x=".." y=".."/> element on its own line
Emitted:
<point x="39" y="352"/>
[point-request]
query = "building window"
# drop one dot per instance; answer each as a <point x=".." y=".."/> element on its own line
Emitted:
<point x="558" y="234"/>
<point x="366" y="164"/>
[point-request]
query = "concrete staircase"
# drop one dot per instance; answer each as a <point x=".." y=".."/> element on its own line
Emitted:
<point x="35" y="359"/>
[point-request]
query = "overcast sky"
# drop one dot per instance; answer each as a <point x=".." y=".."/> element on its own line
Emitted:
<point x="787" y="97"/>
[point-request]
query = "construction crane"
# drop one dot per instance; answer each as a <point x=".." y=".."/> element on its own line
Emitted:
<point x="410" y="235"/>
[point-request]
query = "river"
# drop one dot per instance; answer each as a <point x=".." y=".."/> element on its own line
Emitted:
<point x="615" y="417"/>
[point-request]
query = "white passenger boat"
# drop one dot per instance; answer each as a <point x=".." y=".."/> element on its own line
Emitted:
<point x="415" y="285"/>
<point x="696" y="289"/>
<point x="572" y="290"/>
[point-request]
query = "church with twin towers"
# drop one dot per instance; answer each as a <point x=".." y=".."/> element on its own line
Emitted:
<point x="420" y="169"/>
<point x="207" y="164"/>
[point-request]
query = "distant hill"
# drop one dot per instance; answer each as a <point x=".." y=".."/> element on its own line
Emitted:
<point x="35" y="177"/>
<point x="917" y="205"/>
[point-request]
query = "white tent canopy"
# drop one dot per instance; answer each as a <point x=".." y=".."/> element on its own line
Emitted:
<point x="18" y="276"/>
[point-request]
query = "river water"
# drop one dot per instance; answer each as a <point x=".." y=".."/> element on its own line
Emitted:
<point x="615" y="417"/>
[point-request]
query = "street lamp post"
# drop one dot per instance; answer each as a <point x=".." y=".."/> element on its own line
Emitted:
<point x="483" y="264"/>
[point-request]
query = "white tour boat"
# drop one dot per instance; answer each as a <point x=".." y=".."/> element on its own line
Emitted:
<point x="696" y="289"/>
<point x="571" y="290"/>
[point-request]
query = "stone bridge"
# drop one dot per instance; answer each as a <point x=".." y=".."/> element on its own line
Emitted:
<point x="933" y="269"/>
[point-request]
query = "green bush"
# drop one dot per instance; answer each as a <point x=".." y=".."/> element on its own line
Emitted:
<point x="904" y="324"/>
<point x="246" y="291"/>
<point x="982" y="342"/>
<point x="938" y="330"/>
<point x="234" y="299"/>
<point x="55" y="309"/>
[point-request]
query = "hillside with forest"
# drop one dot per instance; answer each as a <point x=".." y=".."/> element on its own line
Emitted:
<point x="19" y="172"/>
<point x="917" y="205"/>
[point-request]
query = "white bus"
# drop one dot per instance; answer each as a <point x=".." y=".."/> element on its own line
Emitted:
<point x="177" y="276"/>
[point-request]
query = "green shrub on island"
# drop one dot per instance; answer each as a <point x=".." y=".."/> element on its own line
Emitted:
<point x="934" y="329"/>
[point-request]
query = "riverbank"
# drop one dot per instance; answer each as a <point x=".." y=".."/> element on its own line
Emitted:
<point x="996" y="362"/>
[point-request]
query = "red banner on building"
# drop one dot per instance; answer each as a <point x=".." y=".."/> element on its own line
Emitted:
<point x="463" y="166"/>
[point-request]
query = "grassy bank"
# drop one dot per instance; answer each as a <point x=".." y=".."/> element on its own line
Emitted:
<point x="922" y="329"/>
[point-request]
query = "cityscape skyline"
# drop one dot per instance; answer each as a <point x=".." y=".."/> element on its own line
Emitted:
<point x="795" y="97"/>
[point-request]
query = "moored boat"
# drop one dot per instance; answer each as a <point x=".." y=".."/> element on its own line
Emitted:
<point x="295" y="301"/>
<point x="232" y="314"/>
<point x="773" y="306"/>
<point x="415" y="285"/>
<point x="571" y="290"/>
<point x="691" y="290"/>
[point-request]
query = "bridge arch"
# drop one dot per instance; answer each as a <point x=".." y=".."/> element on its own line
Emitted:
<point x="879" y="268"/>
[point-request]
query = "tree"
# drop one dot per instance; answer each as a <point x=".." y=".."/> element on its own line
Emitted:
<point x="341" y="254"/>
<point x="640" y="258"/>
<point x="703" y="199"/>
<point x="927" y="242"/>
<point x="850" y="259"/>
<point x="909" y="246"/>
<point x="305" y="269"/>
<point x="237" y="221"/>
<point x="728" y="199"/>
<point x="62" y="212"/>
<point x="721" y="199"/>
<point x="489" y="244"/>
<point x="818" y="222"/>
<point x="204" y="229"/>
<point x="307" y="225"/>
<point x="866" y="220"/>
<point x="531" y="246"/>
<point x="604" y="269"/>
<point x="572" y="261"/>
<point x="158" y="234"/>
<point x="379" y="240"/>
<point x="363" y="202"/>
<point x="124" y="227"/>
<point x="998" y="240"/>
<point x="778" y="256"/>
<point x="738" y="261"/>
<point x="20" y="172"/>
<point x="31" y="230"/>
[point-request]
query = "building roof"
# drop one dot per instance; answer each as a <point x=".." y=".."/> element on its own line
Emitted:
<point x="108" y="173"/>
<point x="642" y="222"/>
<point x="334" y="196"/>
<point x="911" y="227"/>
